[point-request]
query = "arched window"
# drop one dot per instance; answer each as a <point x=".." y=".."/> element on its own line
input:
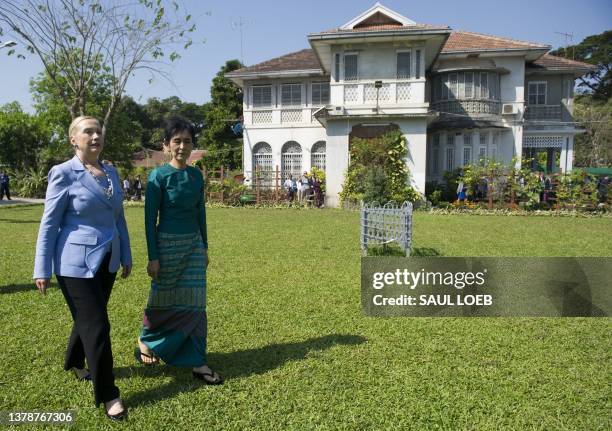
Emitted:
<point x="262" y="157"/>
<point x="291" y="160"/>
<point x="317" y="155"/>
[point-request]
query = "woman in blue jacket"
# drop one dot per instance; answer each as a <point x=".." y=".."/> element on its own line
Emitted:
<point x="83" y="239"/>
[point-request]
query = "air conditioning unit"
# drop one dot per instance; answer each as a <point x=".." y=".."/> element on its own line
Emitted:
<point x="509" y="108"/>
<point x="336" y="110"/>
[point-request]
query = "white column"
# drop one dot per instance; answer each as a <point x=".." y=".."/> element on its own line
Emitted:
<point x="459" y="144"/>
<point x="567" y="154"/>
<point x="415" y="133"/>
<point x="475" y="145"/>
<point x="247" y="153"/>
<point x="336" y="160"/>
<point x="517" y="134"/>
<point x="443" y="146"/>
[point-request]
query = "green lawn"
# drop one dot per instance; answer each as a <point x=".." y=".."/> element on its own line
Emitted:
<point x="287" y="332"/>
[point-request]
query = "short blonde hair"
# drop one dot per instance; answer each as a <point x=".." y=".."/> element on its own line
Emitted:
<point x="76" y="122"/>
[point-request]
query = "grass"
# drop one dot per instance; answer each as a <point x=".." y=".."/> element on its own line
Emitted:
<point x="287" y="332"/>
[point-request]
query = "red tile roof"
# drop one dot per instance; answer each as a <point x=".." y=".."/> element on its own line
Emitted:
<point x="300" y="60"/>
<point x="468" y="41"/>
<point x="459" y="41"/>
<point x="548" y="61"/>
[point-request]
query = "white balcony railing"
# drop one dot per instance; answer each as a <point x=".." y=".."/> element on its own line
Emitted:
<point x="390" y="93"/>
<point x="261" y="117"/>
<point x="472" y="107"/>
<point x="291" y="115"/>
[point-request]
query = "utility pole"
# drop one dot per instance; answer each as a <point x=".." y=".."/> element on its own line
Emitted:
<point x="568" y="37"/>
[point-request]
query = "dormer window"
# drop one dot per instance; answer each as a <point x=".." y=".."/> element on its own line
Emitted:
<point x="351" y="69"/>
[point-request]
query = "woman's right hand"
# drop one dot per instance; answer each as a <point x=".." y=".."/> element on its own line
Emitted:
<point x="42" y="284"/>
<point x="153" y="268"/>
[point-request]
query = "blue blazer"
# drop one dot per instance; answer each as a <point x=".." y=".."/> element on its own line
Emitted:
<point x="80" y="224"/>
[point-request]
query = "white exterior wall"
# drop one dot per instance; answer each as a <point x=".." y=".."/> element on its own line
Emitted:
<point x="276" y="138"/>
<point x="379" y="62"/>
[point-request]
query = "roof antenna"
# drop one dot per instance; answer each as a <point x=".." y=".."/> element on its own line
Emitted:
<point x="568" y="37"/>
<point x="239" y="24"/>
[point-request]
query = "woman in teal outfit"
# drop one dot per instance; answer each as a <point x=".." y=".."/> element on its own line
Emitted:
<point x="174" y="323"/>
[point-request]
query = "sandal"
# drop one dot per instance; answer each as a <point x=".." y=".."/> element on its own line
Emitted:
<point x="138" y="355"/>
<point x="211" y="378"/>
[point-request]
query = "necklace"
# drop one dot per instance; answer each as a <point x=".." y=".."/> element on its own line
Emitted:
<point x="108" y="190"/>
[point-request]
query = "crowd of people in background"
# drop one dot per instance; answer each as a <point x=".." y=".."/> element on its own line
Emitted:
<point x="307" y="189"/>
<point x="132" y="190"/>
<point x="547" y="187"/>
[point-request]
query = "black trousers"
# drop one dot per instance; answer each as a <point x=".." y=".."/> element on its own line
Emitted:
<point x="4" y="190"/>
<point x="90" y="337"/>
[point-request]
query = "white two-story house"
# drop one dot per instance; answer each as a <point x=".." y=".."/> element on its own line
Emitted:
<point x="457" y="97"/>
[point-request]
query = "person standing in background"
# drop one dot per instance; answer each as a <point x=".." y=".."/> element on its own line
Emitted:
<point x="4" y="186"/>
<point x="126" y="188"/>
<point x="138" y="188"/>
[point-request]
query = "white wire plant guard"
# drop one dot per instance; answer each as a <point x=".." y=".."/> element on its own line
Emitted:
<point x="386" y="224"/>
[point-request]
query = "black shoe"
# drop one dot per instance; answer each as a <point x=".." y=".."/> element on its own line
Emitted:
<point x="121" y="416"/>
<point x="211" y="378"/>
<point x="81" y="374"/>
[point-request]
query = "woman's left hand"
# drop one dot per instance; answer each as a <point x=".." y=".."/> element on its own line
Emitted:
<point x="127" y="269"/>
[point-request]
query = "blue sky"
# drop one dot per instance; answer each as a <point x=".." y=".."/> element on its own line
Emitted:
<point x="272" y="28"/>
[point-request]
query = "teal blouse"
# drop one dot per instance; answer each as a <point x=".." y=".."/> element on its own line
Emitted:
<point x="176" y="196"/>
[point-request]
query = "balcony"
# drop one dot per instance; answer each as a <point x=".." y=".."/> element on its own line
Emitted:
<point x="281" y="116"/>
<point x="543" y="113"/>
<point x="477" y="108"/>
<point x="391" y="92"/>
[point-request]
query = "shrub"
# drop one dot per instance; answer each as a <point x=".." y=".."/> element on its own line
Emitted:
<point x="232" y="190"/>
<point x="376" y="186"/>
<point x="31" y="183"/>
<point x="372" y="159"/>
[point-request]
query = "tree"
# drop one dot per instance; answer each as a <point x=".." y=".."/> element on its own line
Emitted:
<point x="157" y="111"/>
<point x="23" y="136"/>
<point x="122" y="132"/>
<point x="224" y="110"/>
<point x="78" y="41"/>
<point x="594" y="147"/>
<point x="597" y="50"/>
